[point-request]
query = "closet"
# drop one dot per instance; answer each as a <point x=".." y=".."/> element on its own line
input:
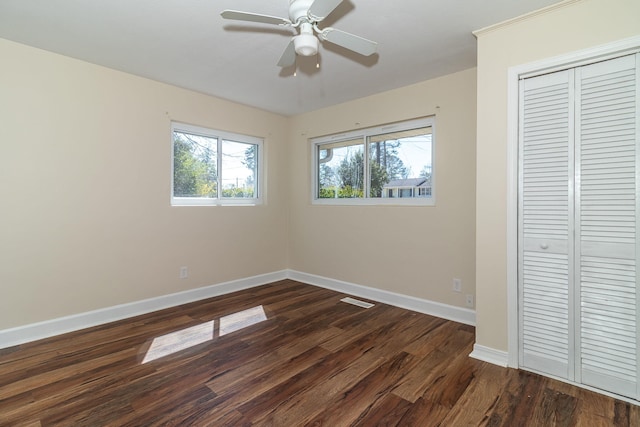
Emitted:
<point x="578" y="224"/>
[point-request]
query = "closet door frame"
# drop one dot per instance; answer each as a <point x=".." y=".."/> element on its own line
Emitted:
<point x="515" y="74"/>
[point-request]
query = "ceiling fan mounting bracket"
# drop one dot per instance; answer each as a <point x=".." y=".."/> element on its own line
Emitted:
<point x="298" y="11"/>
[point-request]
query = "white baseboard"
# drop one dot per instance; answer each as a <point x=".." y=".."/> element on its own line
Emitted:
<point x="61" y="325"/>
<point x="491" y="355"/>
<point x="445" y="311"/>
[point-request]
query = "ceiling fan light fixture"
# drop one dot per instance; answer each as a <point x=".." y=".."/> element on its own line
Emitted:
<point x="306" y="44"/>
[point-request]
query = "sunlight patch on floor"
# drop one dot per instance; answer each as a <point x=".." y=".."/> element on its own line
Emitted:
<point x="241" y="319"/>
<point x="185" y="338"/>
<point x="179" y="340"/>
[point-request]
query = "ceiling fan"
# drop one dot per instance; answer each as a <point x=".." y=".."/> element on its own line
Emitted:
<point x="305" y="16"/>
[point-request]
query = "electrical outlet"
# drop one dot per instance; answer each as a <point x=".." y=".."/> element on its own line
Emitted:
<point x="184" y="272"/>
<point x="457" y="285"/>
<point x="469" y="300"/>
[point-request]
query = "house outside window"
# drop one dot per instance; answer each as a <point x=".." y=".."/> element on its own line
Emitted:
<point x="390" y="164"/>
<point x="211" y="167"/>
<point x="409" y="187"/>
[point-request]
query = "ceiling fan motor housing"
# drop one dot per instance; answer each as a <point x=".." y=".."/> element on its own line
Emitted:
<point x="298" y="10"/>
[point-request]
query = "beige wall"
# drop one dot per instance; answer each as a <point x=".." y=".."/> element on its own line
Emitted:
<point x="85" y="218"/>
<point x="415" y="251"/>
<point x="572" y="27"/>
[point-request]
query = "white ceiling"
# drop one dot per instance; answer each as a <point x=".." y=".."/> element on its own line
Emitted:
<point x="186" y="43"/>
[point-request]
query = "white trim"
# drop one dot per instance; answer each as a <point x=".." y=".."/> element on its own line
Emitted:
<point x="512" y="219"/>
<point x="445" y="311"/>
<point x="378" y="201"/>
<point x="515" y="73"/>
<point x="61" y="325"/>
<point x="578" y="58"/>
<point x="524" y="17"/>
<point x="428" y="121"/>
<point x="204" y="201"/>
<point x="490" y="355"/>
<point x="75" y="322"/>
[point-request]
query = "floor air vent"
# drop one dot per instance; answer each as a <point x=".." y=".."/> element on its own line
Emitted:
<point x="359" y="303"/>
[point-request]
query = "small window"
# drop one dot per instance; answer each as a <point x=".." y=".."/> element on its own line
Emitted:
<point x="390" y="164"/>
<point x="212" y="167"/>
<point x="424" y="192"/>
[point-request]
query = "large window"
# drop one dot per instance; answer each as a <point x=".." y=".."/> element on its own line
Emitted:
<point x="390" y="164"/>
<point x="211" y="167"/>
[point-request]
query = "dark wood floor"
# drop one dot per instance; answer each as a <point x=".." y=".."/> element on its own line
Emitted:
<point x="315" y="361"/>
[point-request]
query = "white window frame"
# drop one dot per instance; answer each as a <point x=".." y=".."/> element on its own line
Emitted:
<point x="220" y="136"/>
<point x="364" y="134"/>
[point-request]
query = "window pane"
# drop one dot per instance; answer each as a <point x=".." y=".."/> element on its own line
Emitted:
<point x="400" y="164"/>
<point x="341" y="170"/>
<point x="194" y="165"/>
<point x="239" y="169"/>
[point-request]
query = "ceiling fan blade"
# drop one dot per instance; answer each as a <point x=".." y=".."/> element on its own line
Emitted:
<point x="320" y="9"/>
<point x="288" y="57"/>
<point x="254" y="17"/>
<point x="349" y="41"/>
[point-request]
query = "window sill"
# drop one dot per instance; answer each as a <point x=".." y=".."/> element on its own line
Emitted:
<point x="189" y="201"/>
<point x="426" y="201"/>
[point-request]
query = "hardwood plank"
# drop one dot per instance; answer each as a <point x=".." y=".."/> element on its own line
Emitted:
<point x="476" y="405"/>
<point x="516" y="399"/>
<point x="360" y="325"/>
<point x="388" y="413"/>
<point x="203" y="416"/>
<point x="430" y="369"/>
<point x="634" y="415"/>
<point x="424" y="412"/>
<point x="553" y="408"/>
<point x="453" y="381"/>
<point x="358" y="401"/>
<point x="434" y="333"/>
<point x="168" y="409"/>
<point x="61" y="373"/>
<point x="265" y="365"/>
<point x="29" y="424"/>
<point x="308" y="392"/>
<point x="313" y="361"/>
<point x="247" y="388"/>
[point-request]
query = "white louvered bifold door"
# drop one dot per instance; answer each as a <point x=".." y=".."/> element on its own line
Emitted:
<point x="546" y="208"/>
<point x="578" y="222"/>
<point x="606" y="207"/>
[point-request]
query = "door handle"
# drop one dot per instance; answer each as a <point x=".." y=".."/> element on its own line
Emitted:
<point x="544" y="246"/>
